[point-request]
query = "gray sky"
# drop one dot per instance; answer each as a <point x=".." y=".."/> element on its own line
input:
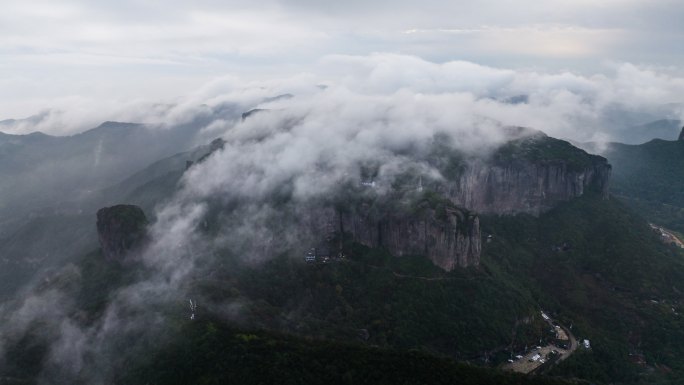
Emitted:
<point x="62" y="54"/>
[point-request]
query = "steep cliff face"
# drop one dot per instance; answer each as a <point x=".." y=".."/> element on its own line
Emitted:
<point x="435" y="217"/>
<point x="530" y="175"/>
<point x="120" y="229"/>
<point x="525" y="187"/>
<point x="449" y="238"/>
<point x="435" y="228"/>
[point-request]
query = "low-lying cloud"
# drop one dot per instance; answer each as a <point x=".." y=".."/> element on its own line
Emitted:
<point x="383" y="110"/>
<point x="563" y="104"/>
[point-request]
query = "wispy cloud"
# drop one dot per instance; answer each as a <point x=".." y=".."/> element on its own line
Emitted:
<point x="373" y="109"/>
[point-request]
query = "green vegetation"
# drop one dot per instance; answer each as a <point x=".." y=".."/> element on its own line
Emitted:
<point x="378" y="299"/>
<point x="342" y="309"/>
<point x="211" y="352"/>
<point x="597" y="266"/>
<point x="42" y="238"/>
<point x="591" y="263"/>
<point x="128" y="218"/>
<point x="650" y="178"/>
<point x="540" y="148"/>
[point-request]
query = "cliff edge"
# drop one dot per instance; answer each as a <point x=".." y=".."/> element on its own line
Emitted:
<point x="529" y="175"/>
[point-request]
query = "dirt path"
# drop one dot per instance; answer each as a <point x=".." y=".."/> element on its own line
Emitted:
<point x="573" y="341"/>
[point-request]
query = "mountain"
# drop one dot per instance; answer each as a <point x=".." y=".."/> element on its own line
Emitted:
<point x="52" y="183"/>
<point x="666" y="129"/>
<point x="52" y="236"/>
<point x="29" y="121"/>
<point x="612" y="280"/>
<point x="39" y="170"/>
<point x="438" y="218"/>
<point x="601" y="268"/>
<point x="529" y="175"/>
<point x="121" y="230"/>
<point x="650" y="178"/>
<point x="222" y="353"/>
<point x="52" y="187"/>
<point x="457" y="266"/>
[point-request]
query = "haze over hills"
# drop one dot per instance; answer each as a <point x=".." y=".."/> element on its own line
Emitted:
<point x="451" y="240"/>
<point x="52" y="186"/>
<point x="302" y="222"/>
<point x="648" y="177"/>
<point x="537" y="259"/>
<point x="307" y="192"/>
<point x="665" y="129"/>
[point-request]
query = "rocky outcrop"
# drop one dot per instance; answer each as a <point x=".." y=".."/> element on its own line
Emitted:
<point x="681" y="134"/>
<point x="435" y="218"/>
<point x="525" y="186"/>
<point x="448" y="236"/>
<point x="528" y="175"/>
<point x="121" y="229"/>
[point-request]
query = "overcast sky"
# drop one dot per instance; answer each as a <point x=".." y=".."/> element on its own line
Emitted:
<point x="57" y="53"/>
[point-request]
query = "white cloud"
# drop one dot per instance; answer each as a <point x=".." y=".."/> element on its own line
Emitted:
<point x="562" y="103"/>
<point x="133" y="49"/>
<point x="542" y="40"/>
<point x="374" y="110"/>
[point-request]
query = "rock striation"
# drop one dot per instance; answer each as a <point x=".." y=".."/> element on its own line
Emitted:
<point x="450" y="238"/>
<point x="447" y="235"/>
<point x="531" y="175"/>
<point x="121" y="229"/>
<point x="524" y="186"/>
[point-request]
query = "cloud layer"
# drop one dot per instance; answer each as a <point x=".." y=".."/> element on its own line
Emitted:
<point x="382" y="110"/>
<point x="563" y="104"/>
<point x="96" y="50"/>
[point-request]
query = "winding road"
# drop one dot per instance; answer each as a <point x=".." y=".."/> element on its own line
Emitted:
<point x="527" y="365"/>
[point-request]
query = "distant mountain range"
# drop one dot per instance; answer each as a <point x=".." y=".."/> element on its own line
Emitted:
<point x="650" y="177"/>
<point x="665" y="129"/>
<point x="51" y="186"/>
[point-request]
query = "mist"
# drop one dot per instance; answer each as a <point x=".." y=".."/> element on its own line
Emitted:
<point x="385" y="110"/>
<point x="563" y="104"/>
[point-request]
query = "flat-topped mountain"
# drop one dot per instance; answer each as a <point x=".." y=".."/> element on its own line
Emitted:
<point x="529" y="175"/>
<point x="438" y="218"/>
